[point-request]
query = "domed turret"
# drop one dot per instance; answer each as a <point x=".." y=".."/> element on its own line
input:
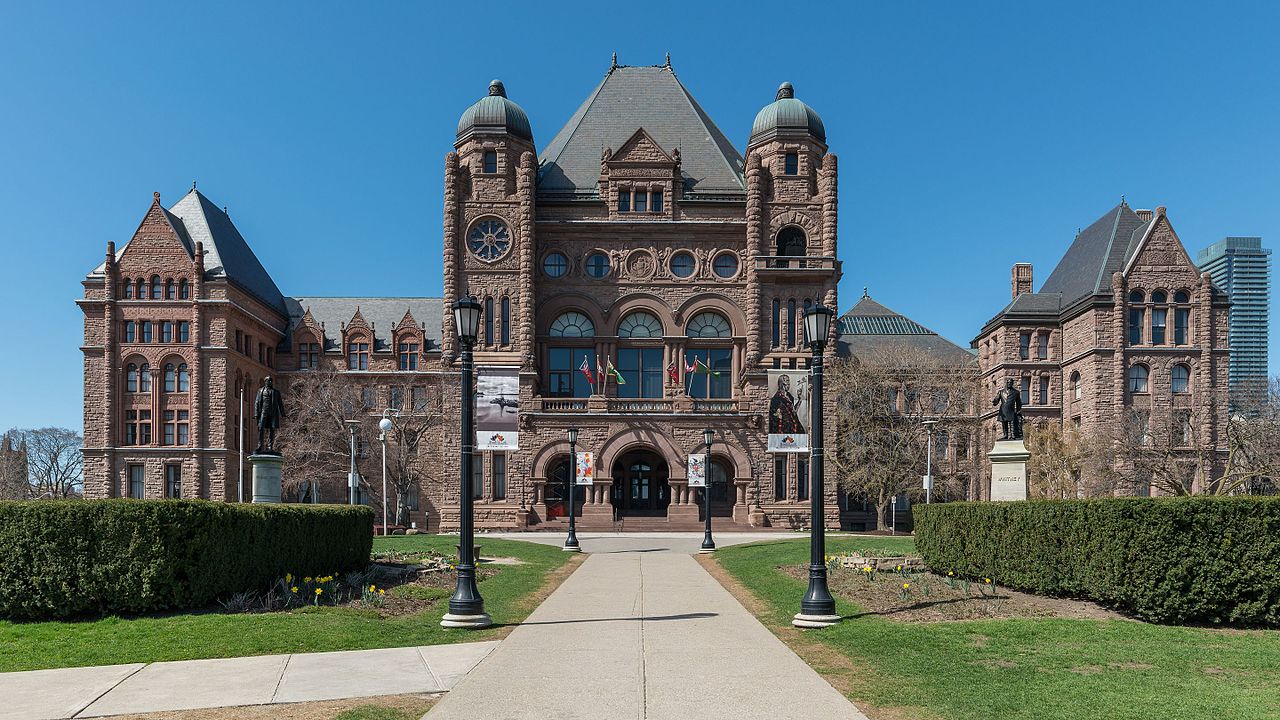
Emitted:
<point x="495" y="113"/>
<point x="786" y="115"/>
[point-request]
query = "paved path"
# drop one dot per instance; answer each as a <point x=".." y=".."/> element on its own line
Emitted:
<point x="641" y="631"/>
<point x="190" y="684"/>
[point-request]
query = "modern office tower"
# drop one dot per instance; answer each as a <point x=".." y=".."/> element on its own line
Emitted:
<point x="1241" y="268"/>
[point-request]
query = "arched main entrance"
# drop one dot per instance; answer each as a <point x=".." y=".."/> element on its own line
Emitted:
<point x="640" y="484"/>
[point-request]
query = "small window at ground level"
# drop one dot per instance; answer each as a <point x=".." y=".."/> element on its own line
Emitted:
<point x="173" y="481"/>
<point x="137" y="481"/>
<point x="791" y="166"/>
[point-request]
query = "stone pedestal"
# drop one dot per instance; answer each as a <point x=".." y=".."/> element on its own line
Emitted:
<point x="266" y="477"/>
<point x="1009" y="470"/>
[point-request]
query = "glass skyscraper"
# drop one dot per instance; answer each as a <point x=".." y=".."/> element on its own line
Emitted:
<point x="1241" y="268"/>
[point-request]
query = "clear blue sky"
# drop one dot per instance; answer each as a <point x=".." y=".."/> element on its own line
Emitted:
<point x="971" y="135"/>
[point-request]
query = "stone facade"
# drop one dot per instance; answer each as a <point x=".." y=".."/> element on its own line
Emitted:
<point x="692" y="261"/>
<point x="1126" y="329"/>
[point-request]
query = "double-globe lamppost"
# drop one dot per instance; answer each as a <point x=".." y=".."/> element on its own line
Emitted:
<point x="353" y="477"/>
<point x="708" y="544"/>
<point x="466" y="607"/>
<point x="928" y="462"/>
<point x="385" y="425"/>
<point x="817" y="608"/>
<point x="571" y="479"/>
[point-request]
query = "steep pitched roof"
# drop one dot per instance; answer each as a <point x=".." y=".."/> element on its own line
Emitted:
<point x="1098" y="251"/>
<point x="381" y="313"/>
<point x="194" y="219"/>
<point x="869" y="326"/>
<point x="630" y="98"/>
<point x="226" y="252"/>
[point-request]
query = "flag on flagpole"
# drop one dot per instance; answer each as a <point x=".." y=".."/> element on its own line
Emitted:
<point x="704" y="369"/>
<point x="617" y="376"/>
<point x="600" y="374"/>
<point x="586" y="370"/>
<point x="672" y="372"/>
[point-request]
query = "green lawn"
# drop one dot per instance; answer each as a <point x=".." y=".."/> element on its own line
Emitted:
<point x="108" y="641"/>
<point x="1037" y="669"/>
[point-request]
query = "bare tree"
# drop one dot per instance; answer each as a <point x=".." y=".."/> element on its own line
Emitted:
<point x="316" y="436"/>
<point x="882" y="398"/>
<point x="55" y="464"/>
<point x="411" y="428"/>
<point x="1067" y="463"/>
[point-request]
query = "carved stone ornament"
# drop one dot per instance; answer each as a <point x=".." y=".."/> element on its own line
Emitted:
<point x="640" y="265"/>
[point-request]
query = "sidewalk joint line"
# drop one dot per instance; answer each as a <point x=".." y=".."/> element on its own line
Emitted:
<point x="104" y="692"/>
<point x="280" y="680"/>
<point x="644" y="661"/>
<point x="431" y="671"/>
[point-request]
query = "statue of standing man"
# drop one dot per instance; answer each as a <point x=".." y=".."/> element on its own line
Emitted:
<point x="1009" y="402"/>
<point x="268" y="409"/>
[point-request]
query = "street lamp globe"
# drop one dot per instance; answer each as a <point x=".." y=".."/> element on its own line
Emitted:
<point x="707" y="436"/>
<point x="385" y="424"/>
<point x="466" y="318"/>
<point x="573" y="434"/>
<point x="817" y="324"/>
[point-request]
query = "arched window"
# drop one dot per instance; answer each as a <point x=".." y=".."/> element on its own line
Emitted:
<point x="488" y="321"/>
<point x="1181" y="318"/>
<point x="640" y="325"/>
<point x="1180" y="379"/>
<point x="184" y="290"/>
<point x="573" y="325"/>
<point x="791" y="241"/>
<point x="1159" y="317"/>
<point x="1181" y="297"/>
<point x="184" y="378"/>
<point x="144" y="378"/>
<point x="777" y="322"/>
<point x="131" y="378"/>
<point x="1138" y="375"/>
<point x="170" y="378"/>
<point x="718" y="477"/>
<point x="128" y="289"/>
<point x="506" y="320"/>
<point x="157" y="287"/>
<point x="708" y="325"/>
<point x="1077" y="390"/>
<point x="791" y="322"/>
<point x="1137" y="315"/>
<point x="142" y="288"/>
<point x="169" y="289"/>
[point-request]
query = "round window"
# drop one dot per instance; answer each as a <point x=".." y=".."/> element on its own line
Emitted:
<point x="597" y="265"/>
<point x="725" y="265"/>
<point x="682" y="265"/>
<point x="489" y="239"/>
<point x="555" y="265"/>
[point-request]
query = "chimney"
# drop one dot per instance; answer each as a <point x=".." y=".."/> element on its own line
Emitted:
<point x="1144" y="215"/>
<point x="1021" y="278"/>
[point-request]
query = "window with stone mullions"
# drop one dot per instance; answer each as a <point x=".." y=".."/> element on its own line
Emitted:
<point x="642" y="370"/>
<point x="563" y="376"/>
<point x="640" y="204"/>
<point x="704" y="385"/>
<point x="408" y="356"/>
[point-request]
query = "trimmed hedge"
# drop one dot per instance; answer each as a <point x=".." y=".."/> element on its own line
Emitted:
<point x="1168" y="560"/>
<point x="74" y="558"/>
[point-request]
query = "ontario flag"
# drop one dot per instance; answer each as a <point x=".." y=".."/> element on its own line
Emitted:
<point x="586" y="370"/>
<point x="617" y="376"/>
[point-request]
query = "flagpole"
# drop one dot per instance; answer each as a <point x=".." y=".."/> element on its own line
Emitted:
<point x="240" y="447"/>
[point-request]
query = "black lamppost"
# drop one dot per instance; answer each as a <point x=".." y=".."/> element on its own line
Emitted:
<point x="571" y="479"/>
<point x="708" y="545"/>
<point x="466" y="607"/>
<point x="818" y="608"/>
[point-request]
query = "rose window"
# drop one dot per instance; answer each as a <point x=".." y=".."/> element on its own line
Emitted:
<point x="489" y="240"/>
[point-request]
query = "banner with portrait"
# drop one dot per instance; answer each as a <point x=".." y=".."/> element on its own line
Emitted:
<point x="584" y="468"/>
<point x="697" y="471"/>
<point x="789" y="407"/>
<point x="497" y="408"/>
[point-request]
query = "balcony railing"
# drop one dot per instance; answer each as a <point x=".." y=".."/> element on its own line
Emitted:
<point x="564" y="405"/>
<point x="715" y="406"/>
<point x="796" y="263"/>
<point x="640" y="406"/>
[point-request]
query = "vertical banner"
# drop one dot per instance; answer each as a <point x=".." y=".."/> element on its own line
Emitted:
<point x="584" y="469"/>
<point x="697" y="471"/>
<point x="789" y="411"/>
<point x="497" y="408"/>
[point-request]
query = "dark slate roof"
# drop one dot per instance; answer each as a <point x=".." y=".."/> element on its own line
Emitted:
<point x="630" y="98"/>
<point x="870" y="326"/>
<point x="381" y="313"/>
<point x="1098" y="251"/>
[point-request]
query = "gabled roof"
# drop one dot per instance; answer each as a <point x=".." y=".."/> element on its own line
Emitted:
<point x="1098" y="251"/>
<point x="870" y="326"/>
<point x="194" y="219"/>
<point x="381" y="313"/>
<point x="630" y="98"/>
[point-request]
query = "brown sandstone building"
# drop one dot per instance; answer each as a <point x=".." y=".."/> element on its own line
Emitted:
<point x="1125" y="336"/>
<point x="639" y="235"/>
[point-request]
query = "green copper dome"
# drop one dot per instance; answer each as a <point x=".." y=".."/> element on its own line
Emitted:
<point x="495" y="113"/>
<point x="786" y="113"/>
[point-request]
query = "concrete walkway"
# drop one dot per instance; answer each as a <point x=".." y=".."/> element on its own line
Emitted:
<point x="641" y="631"/>
<point x="191" y="684"/>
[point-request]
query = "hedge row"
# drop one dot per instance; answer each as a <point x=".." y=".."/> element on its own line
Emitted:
<point x="75" y="558"/>
<point x="1169" y="560"/>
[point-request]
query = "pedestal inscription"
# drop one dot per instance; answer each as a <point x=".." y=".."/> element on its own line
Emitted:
<point x="266" y="477"/>
<point x="1009" y="470"/>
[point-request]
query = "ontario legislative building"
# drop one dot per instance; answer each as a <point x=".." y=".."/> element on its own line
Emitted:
<point x="641" y="277"/>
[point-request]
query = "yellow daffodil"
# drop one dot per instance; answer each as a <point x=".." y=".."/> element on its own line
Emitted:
<point x="318" y="591"/>
<point x="306" y="579"/>
<point x="382" y="592"/>
<point x="906" y="585"/>
<point x="288" y="577"/>
<point x="866" y="568"/>
<point x="294" y="589"/>
<point x="950" y="574"/>
<point x="372" y="588"/>
<point x="988" y="580"/>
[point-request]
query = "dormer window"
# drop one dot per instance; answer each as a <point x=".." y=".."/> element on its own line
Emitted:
<point x="490" y="161"/>
<point x="624" y="200"/>
<point x="641" y="204"/>
<point x="655" y="203"/>
<point x="791" y="165"/>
